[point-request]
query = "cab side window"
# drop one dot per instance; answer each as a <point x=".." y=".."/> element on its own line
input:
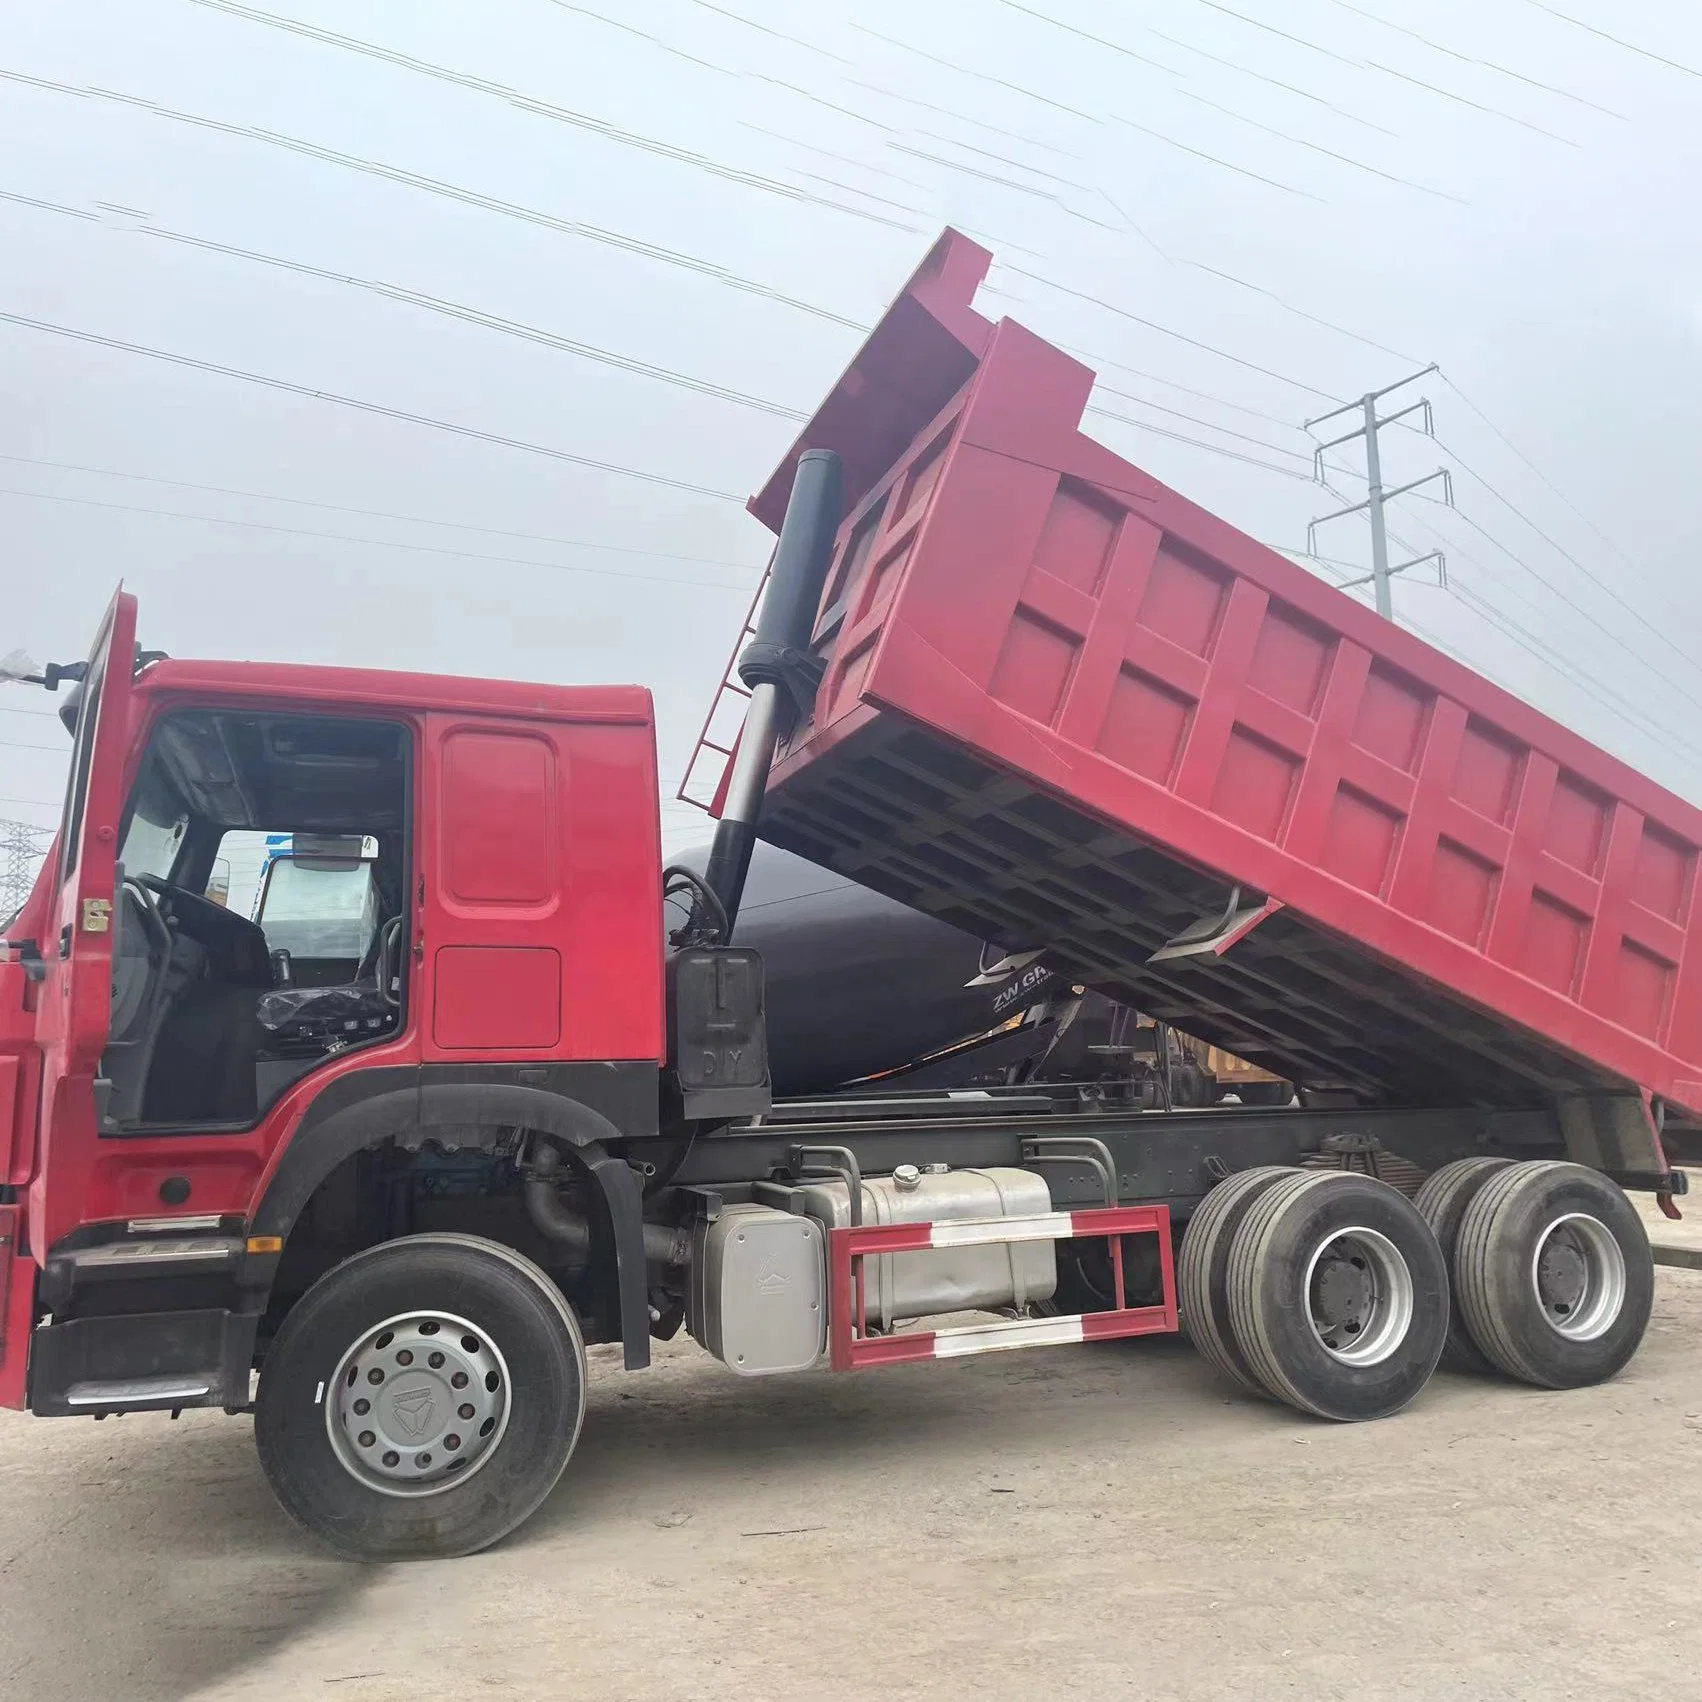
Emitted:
<point x="263" y="911"/>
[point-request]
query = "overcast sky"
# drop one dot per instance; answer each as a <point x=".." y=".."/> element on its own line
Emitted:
<point x="1296" y="217"/>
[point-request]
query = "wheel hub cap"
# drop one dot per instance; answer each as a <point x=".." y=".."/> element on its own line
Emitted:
<point x="417" y="1404"/>
<point x="1561" y="1276"/>
<point x="1344" y="1294"/>
<point x="1578" y="1272"/>
<point x="1359" y="1296"/>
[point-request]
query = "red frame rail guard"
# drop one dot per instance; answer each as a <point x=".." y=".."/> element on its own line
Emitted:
<point x="852" y="1347"/>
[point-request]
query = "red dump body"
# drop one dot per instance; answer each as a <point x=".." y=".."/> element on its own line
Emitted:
<point x="1064" y="706"/>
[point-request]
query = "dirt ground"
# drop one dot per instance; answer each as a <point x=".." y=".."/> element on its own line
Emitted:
<point x="1057" y="1523"/>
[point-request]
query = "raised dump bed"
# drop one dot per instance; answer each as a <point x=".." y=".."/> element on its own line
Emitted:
<point x="1063" y="706"/>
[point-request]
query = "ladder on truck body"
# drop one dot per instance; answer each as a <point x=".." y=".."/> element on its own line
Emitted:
<point x="692" y="783"/>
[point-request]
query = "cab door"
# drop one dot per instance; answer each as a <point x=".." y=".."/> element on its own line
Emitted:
<point x="76" y="994"/>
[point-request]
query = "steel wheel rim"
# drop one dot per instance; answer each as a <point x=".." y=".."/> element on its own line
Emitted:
<point x="417" y="1404"/>
<point x="1578" y="1277"/>
<point x="1359" y="1296"/>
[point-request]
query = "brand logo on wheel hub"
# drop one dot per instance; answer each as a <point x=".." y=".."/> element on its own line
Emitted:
<point x="414" y="1408"/>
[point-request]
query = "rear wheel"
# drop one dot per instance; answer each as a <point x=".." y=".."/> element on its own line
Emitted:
<point x="1338" y="1295"/>
<point x="1555" y="1276"/>
<point x="1203" y="1269"/>
<point x="1442" y="1202"/>
<point x="422" y="1398"/>
<point x="1265" y="1095"/>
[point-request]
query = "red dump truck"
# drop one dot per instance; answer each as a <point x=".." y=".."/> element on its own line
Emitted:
<point x="382" y="1191"/>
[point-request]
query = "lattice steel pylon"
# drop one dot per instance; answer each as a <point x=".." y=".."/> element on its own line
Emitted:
<point x="22" y="846"/>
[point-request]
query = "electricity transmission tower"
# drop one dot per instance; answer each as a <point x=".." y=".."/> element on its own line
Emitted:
<point x="1381" y="572"/>
<point x="22" y="847"/>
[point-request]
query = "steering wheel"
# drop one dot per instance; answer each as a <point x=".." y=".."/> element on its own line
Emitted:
<point x="138" y="975"/>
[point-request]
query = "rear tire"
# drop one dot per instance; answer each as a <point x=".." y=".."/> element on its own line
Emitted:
<point x="1203" y="1270"/>
<point x="421" y="1399"/>
<point x="1556" y="1280"/>
<point x="1265" y="1095"/>
<point x="1442" y="1202"/>
<point x="1338" y="1294"/>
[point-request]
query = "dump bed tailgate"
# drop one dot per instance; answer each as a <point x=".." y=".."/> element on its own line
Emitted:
<point x="1063" y="706"/>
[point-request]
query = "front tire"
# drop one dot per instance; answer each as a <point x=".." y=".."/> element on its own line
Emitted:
<point x="1555" y="1276"/>
<point x="421" y="1399"/>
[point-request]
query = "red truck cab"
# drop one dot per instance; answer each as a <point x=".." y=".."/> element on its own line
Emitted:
<point x="172" y="1095"/>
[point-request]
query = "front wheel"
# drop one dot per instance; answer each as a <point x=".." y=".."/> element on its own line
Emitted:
<point x="422" y="1398"/>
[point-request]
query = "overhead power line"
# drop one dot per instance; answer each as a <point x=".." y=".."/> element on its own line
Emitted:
<point x="644" y="35"/>
<point x="1687" y="656"/>
<point x="1472" y="59"/>
<point x="670" y="257"/>
<point x="1101" y="364"/>
<point x="1554" y="489"/>
<point x="365" y="513"/>
<point x="1165" y="331"/>
<point x="1553" y="594"/>
<point x="1300" y="312"/>
<point x="1617" y="40"/>
<point x="489" y="321"/>
<point x="1463" y="100"/>
<point x="381" y="543"/>
<point x="543" y="109"/>
<point x="1361" y="64"/>
<point x="1561" y="664"/>
<point x="1614" y="594"/>
<point x="1332" y="153"/>
<point x="1097" y="40"/>
<point x="1199" y="443"/>
<point x="1194" y="419"/>
<point x="1005" y="159"/>
<point x="1552" y="591"/>
<point x="1031" y="189"/>
<point x="1557" y="660"/>
<point x="1271" y="29"/>
<point x="1273" y="82"/>
<point x="364" y="406"/>
<point x="1213" y="159"/>
<point x="998" y="130"/>
<point x="778" y="35"/>
<point x="438" y="186"/>
<point x="1551" y="658"/>
<point x="980" y="76"/>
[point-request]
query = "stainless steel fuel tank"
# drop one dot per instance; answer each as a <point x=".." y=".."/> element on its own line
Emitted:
<point x="899" y="1286"/>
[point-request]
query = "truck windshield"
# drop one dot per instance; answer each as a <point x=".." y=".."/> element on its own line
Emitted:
<point x="317" y="912"/>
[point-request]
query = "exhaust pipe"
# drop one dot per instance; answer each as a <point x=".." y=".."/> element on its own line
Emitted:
<point x="777" y="666"/>
<point x="663" y="1245"/>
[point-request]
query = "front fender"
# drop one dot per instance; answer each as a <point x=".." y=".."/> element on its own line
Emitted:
<point x="478" y="1113"/>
